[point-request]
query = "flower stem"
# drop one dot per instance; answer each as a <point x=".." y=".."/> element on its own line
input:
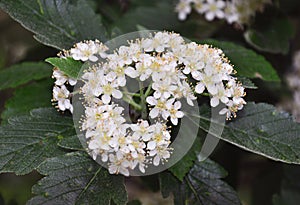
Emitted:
<point x="143" y="101"/>
<point x="132" y="102"/>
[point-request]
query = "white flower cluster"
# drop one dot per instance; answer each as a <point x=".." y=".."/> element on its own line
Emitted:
<point x="168" y="62"/>
<point x="177" y="70"/>
<point x="234" y="11"/>
<point x="88" y="50"/>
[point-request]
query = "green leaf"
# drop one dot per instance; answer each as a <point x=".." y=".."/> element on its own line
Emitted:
<point x="246" y="62"/>
<point x="160" y="15"/>
<point x="261" y="129"/>
<point x="30" y="139"/>
<point x="75" y="178"/>
<point x="165" y="17"/>
<point x="247" y="83"/>
<point x="57" y="23"/>
<point x="68" y="65"/>
<point x="271" y="35"/>
<point x="202" y="186"/>
<point x="181" y="168"/>
<point x="70" y="142"/>
<point x="20" y="74"/>
<point x="35" y="95"/>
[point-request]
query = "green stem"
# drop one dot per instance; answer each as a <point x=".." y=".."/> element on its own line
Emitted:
<point x="143" y="101"/>
<point x="148" y="91"/>
<point x="205" y="94"/>
<point x="131" y="102"/>
<point x="132" y="94"/>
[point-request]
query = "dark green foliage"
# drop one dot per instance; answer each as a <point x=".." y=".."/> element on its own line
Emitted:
<point x="28" y="140"/>
<point x="20" y="74"/>
<point x="201" y="186"/>
<point x="57" y="23"/>
<point x="76" y="179"/>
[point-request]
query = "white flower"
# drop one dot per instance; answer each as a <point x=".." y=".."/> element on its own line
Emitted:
<point x="229" y="110"/>
<point x="230" y="12"/>
<point x="198" y="5"/>
<point x="142" y="130"/>
<point x="209" y="81"/>
<point x="93" y="116"/>
<point x="99" y="140"/>
<point x="118" y="164"/>
<point x="92" y="84"/>
<point x="109" y="88"/>
<point x="183" y="8"/>
<point x="136" y="147"/>
<point x="175" y="40"/>
<point x="143" y="70"/>
<point x="88" y="51"/>
<point x="140" y="160"/>
<point x="160" y="106"/>
<point x="184" y="90"/>
<point x="160" y="136"/>
<point x="161" y="154"/>
<point x="62" y="78"/>
<point x="163" y="88"/>
<point x="61" y="95"/>
<point x="234" y="11"/>
<point x="158" y="43"/>
<point x="120" y="142"/>
<point x="222" y="95"/>
<point x="214" y="8"/>
<point x="173" y="112"/>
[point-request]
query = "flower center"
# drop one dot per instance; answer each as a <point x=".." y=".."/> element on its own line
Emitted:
<point x="160" y="104"/>
<point x="107" y="89"/>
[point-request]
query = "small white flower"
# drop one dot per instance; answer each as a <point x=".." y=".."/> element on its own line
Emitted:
<point x="61" y="95"/>
<point x="99" y="141"/>
<point x="160" y="106"/>
<point x="184" y="90"/>
<point x="214" y="8"/>
<point x="198" y="5"/>
<point x="118" y="164"/>
<point x="222" y="96"/>
<point x="162" y="155"/>
<point x="88" y="51"/>
<point x="230" y="12"/>
<point x="108" y="89"/>
<point x="62" y="78"/>
<point x="142" y="130"/>
<point x="234" y="11"/>
<point x="143" y="70"/>
<point x="163" y="88"/>
<point x="208" y="81"/>
<point x="140" y="160"/>
<point x="173" y="112"/>
<point x="158" y="43"/>
<point x="160" y="136"/>
<point x="183" y="8"/>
